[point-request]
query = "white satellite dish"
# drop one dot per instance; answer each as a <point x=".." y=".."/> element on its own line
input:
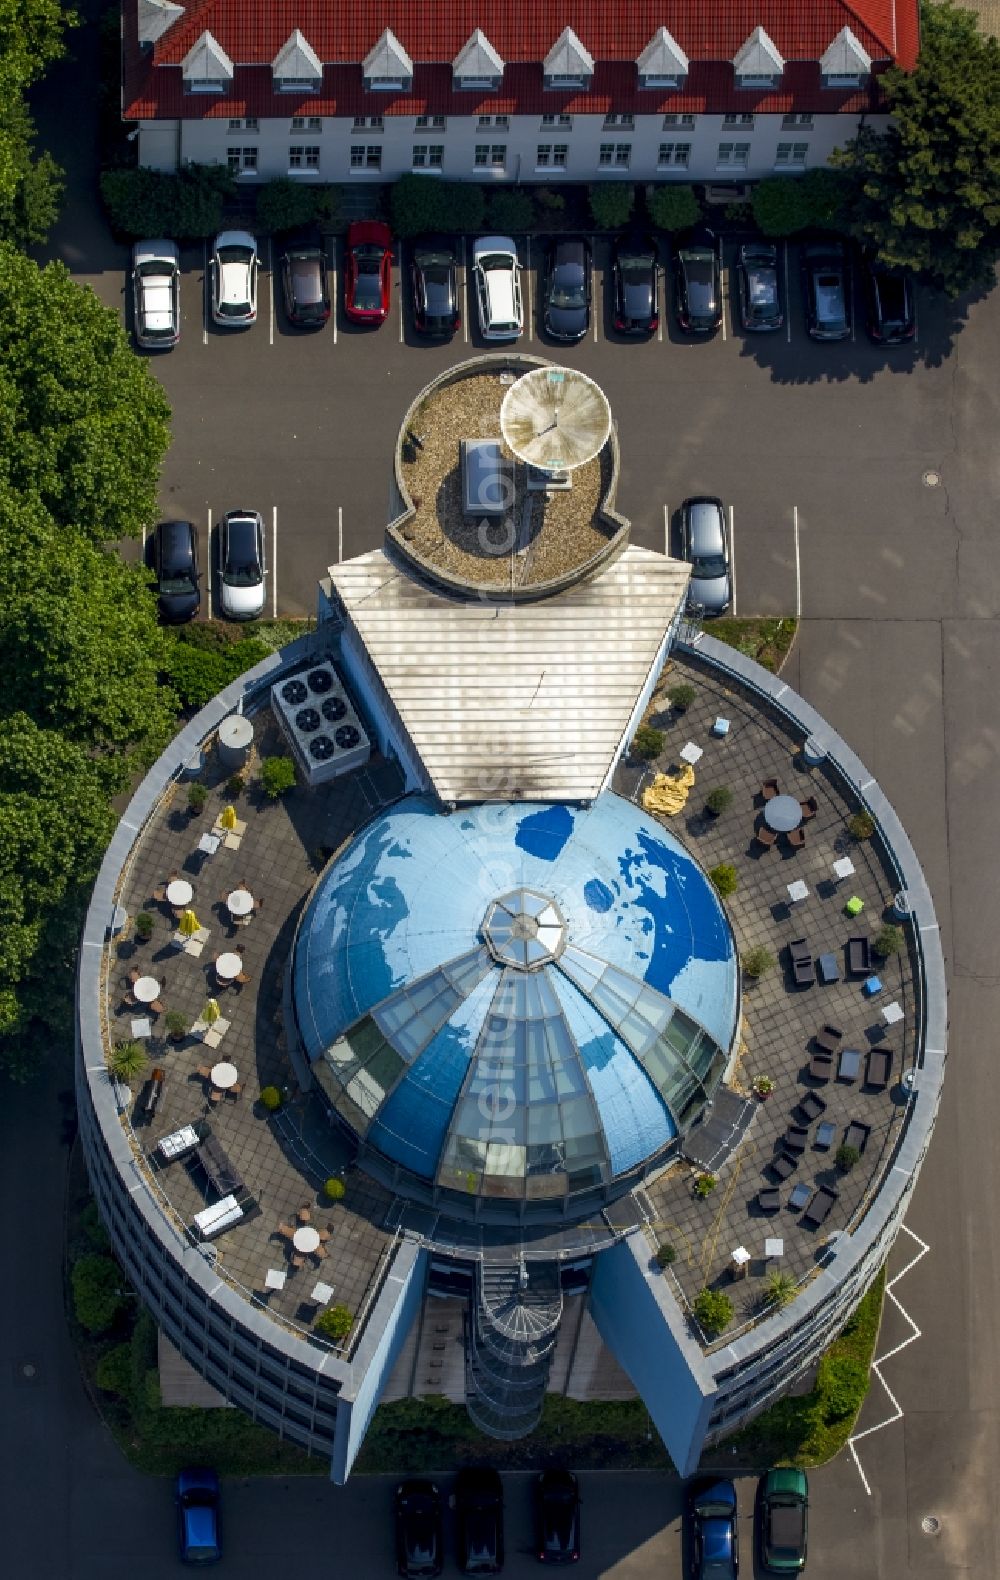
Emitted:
<point x="555" y="419"/>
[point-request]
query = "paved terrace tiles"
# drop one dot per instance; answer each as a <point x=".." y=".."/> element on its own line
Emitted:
<point x="283" y="1161"/>
<point x="778" y="1019"/>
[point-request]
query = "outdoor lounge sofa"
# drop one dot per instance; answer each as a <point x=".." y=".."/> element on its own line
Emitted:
<point x="819" y="1207"/>
<point x="811" y="1106"/>
<point x="859" y="955"/>
<point x="769" y="1199"/>
<point x="856" y="1135"/>
<point x="878" y="1068"/>
<point x="783" y="1165"/>
<point x="795" y="1139"/>
<point x="821" y="1066"/>
<point x="828" y="1039"/>
<point x="803" y="965"/>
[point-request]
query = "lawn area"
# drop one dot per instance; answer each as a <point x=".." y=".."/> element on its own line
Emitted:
<point x="766" y="640"/>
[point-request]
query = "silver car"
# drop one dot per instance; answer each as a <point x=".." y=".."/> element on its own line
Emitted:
<point x="705" y="544"/>
<point x="234" y="279"/>
<point x="242" y="565"/>
<point x="156" y="294"/>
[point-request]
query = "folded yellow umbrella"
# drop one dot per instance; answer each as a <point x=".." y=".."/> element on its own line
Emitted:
<point x="211" y="1013"/>
<point x="228" y="818"/>
<point x="188" y="924"/>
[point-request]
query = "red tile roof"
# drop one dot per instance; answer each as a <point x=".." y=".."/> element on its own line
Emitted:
<point x="433" y="31"/>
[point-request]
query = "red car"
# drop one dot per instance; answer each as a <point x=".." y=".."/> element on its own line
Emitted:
<point x="366" y="271"/>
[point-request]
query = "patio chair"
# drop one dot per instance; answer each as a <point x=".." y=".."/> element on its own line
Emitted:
<point x="134" y="975"/>
<point x="856" y="1135"/>
<point x="809" y="808"/>
<point x="821" y="1067"/>
<point x="769" y="789"/>
<point x="828" y="1038"/>
<point x="321" y="1253"/>
<point x="304" y="1213"/>
<point x="783" y="1165"/>
<point x="803" y="971"/>
<point x="811" y="1106"/>
<point x="215" y="1095"/>
<point x="205" y="1071"/>
<point x="859" y="955"/>
<point x="235" y="1091"/>
<point x="325" y="1235"/>
<point x="795" y="838"/>
<point x="286" y="1231"/>
<point x="794" y="1140"/>
<point x="243" y="978"/>
<point x="820" y="1206"/>
<point x="764" y="837"/>
<point x="297" y="1260"/>
<point x="257" y="904"/>
<point x="878" y="1068"/>
<point x="769" y="1199"/>
<point x="156" y="1008"/>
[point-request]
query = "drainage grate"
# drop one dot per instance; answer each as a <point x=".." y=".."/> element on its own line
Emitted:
<point x="931" y="479"/>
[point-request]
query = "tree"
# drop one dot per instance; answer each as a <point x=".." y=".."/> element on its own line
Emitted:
<point x="83" y="422"/>
<point x="97" y="1299"/>
<point x="29" y="207"/>
<point x="673" y="207"/>
<point x="422" y="202"/>
<point x="277" y="775"/>
<point x="928" y="189"/>
<point x="31" y="38"/>
<point x="647" y="742"/>
<point x="611" y="203"/>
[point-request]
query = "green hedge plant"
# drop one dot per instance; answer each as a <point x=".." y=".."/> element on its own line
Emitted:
<point x="664" y="1255"/>
<point x="725" y="878"/>
<point x="713" y="1311"/>
<point x="889" y="941"/>
<point x="127" y="1060"/>
<point x="647" y="742"/>
<point x="187" y="206"/>
<point x="611" y="203"/>
<point x="673" y="207"/>
<point x="508" y="210"/>
<point x="144" y="926"/>
<point x="284" y="204"/>
<point x="861" y="826"/>
<point x="424" y="202"/>
<point x="681" y="696"/>
<point x="97" y="1299"/>
<point x="334" y="1189"/>
<point x="757" y="962"/>
<point x="270" y="1098"/>
<point x="277" y="776"/>
<point x="719" y="799"/>
<point x="335" y="1323"/>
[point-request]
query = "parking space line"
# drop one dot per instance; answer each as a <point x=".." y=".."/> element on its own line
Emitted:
<point x="465" y="292"/>
<point x="732" y="555"/>
<point x="850" y="287"/>
<point x="722" y="288"/>
<point x="401" y="293"/>
<point x="274" y="562"/>
<point x="333" y="293"/>
<point x="798" y="565"/>
<point x="204" y="294"/>
<point x="660" y="316"/>
<point x="666" y="530"/>
<point x="144" y="545"/>
<point x="531" y="308"/>
<point x="208" y="562"/>
<point x="340" y="534"/>
<point x="916" y="320"/>
<point x="788" y="299"/>
<point x="270" y="292"/>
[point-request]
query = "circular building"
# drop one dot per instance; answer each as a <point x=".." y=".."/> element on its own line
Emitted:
<point x="516" y="1009"/>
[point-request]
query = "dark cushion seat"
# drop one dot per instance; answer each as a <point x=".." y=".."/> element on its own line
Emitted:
<point x="819" y="1207"/>
<point x="879" y="1066"/>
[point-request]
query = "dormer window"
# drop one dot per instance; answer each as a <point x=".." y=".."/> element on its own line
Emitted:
<point x="662" y="64"/>
<point x="757" y="64"/>
<point x="155" y="18"/>
<point x="568" y="67"/>
<point x="387" y="68"/>
<point x="477" y="68"/>
<point x="846" y="65"/>
<point x="206" y="68"/>
<point x="296" y="67"/>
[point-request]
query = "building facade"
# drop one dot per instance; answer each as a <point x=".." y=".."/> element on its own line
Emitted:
<point x="578" y="91"/>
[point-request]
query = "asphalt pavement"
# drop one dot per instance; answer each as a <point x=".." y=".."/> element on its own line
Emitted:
<point x="865" y="487"/>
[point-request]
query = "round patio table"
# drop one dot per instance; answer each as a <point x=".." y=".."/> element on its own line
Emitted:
<point x="228" y="966"/>
<point x="224" y="1075"/>
<point x="306" y="1239"/>
<point x="240" y="902"/>
<point x="782" y="813"/>
<point x="179" y="892"/>
<point x="146" y="990"/>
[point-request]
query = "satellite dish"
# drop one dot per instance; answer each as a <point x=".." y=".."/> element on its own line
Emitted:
<point x="555" y="419"/>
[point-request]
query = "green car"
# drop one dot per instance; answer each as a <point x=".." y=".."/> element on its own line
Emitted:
<point x="783" y="1525"/>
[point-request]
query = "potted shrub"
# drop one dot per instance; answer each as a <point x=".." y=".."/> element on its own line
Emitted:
<point x="664" y="1255"/>
<point x="335" y="1323"/>
<point x="780" y="1288"/>
<point x="763" y="1086"/>
<point x="277" y="775"/>
<point x="197" y="796"/>
<point x="889" y="941"/>
<point x="718" y="800"/>
<point x="127" y="1060"/>
<point x="270" y="1098"/>
<point x="725" y="879"/>
<point x="713" y="1312"/>
<point x="681" y="696"/>
<point x="176" y="1024"/>
<point x="234" y="786"/>
<point x="704" y="1185"/>
<point x="647" y="742"/>
<point x="144" y="927"/>
<point x="334" y="1189"/>
<point x="757" y="962"/>
<point x="861" y="826"/>
<point x="846" y="1158"/>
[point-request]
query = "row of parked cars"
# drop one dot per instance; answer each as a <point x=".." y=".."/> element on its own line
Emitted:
<point x="242" y="567"/>
<point x="496" y="285"/>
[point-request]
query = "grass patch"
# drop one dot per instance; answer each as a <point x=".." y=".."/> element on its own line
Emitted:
<point x="766" y="640"/>
<point x="809" y="1430"/>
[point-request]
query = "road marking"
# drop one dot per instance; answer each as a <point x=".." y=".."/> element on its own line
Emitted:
<point x="208" y="558"/>
<point x="660" y="316"/>
<point x="788" y="299"/>
<point x="333" y="295"/>
<point x="340" y="534"/>
<point x="270" y="292"/>
<point x="877" y="1365"/>
<point x="531" y="310"/>
<point x="722" y="289"/>
<point x="401" y="293"/>
<point x="204" y="294"/>
<point x="732" y="556"/>
<point x="798" y="567"/>
<point x="666" y="530"/>
<point x="144" y="545"/>
<point x="274" y="562"/>
<point x="465" y="293"/>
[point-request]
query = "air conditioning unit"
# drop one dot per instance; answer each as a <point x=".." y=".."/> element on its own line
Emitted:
<point x="318" y="720"/>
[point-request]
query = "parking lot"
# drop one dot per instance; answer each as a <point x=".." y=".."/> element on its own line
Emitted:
<point x="301" y="426"/>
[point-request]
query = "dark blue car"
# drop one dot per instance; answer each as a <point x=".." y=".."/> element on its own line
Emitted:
<point x="198" y="1515"/>
<point x="714" y="1544"/>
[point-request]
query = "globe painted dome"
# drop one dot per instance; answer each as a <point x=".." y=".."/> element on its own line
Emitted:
<point x="517" y="1002"/>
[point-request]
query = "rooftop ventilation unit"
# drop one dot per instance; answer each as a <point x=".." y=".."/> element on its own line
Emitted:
<point x="318" y="720"/>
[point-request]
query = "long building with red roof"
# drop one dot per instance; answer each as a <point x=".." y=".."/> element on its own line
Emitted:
<point x="574" y="90"/>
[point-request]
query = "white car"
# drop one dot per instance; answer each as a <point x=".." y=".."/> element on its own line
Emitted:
<point x="234" y="279"/>
<point x="497" y="274"/>
<point x="242" y="566"/>
<point x="156" y="294"/>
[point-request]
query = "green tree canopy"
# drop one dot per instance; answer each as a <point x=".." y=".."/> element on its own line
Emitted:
<point x="31" y="38"/>
<point x="929" y="187"/>
<point x="83" y="422"/>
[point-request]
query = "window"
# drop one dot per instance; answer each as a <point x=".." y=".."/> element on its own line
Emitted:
<point x="247" y="125"/>
<point x="477" y="84"/>
<point x="491" y="155"/>
<point x="367" y="123"/>
<point x="366" y="156"/>
<point x="759" y="83"/>
<point x="733" y="154"/>
<point x="646" y="81"/>
<point x="303" y="156"/>
<point x="625" y="122"/>
<point x="211" y="85"/>
<point x="673" y="154"/>
<point x="241" y="159"/>
<point x="670" y="121"/>
<point x="296" y="84"/>
<point x="791" y="154"/>
<point x="387" y="84"/>
<point x="551" y="156"/>
<point x="560" y="83"/>
<point x="849" y="80"/>
<point x="500" y="123"/>
<point x="428" y="156"/>
<point x="738" y="120"/>
<point x="307" y="123"/>
<point x="435" y="123"/>
<point x="564" y="122"/>
<point x="616" y="155"/>
<point x="797" y="123"/>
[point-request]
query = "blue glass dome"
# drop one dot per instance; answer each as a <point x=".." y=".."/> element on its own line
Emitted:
<point x="518" y="1002"/>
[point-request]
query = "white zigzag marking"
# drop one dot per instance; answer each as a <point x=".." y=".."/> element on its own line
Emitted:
<point x="880" y="1362"/>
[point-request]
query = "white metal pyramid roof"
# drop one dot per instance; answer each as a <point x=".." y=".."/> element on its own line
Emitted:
<point x="529" y="701"/>
<point x="206" y="61"/>
<point x="155" y="17"/>
<point x="758" y="57"/>
<point x="477" y="58"/>
<point x="663" y="57"/>
<point x="387" y="60"/>
<point x="846" y="57"/>
<point x="568" y="57"/>
<point x="297" y="59"/>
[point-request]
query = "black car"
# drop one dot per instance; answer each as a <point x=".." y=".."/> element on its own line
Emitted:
<point x="889" y="302"/>
<point x="826" y="286"/>
<point x="304" y="284"/>
<point x="698" y="281"/>
<point x="557" y="1517"/>
<point x="566" y="291"/>
<point x="419" y="1542"/>
<point x="434" y="279"/>
<point x="757" y="284"/>
<point x="633" y="273"/>
<point x="479" y="1506"/>
<point x="175" y="561"/>
<point x="715" y="1553"/>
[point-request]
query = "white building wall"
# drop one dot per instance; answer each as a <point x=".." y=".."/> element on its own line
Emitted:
<point x="207" y="142"/>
